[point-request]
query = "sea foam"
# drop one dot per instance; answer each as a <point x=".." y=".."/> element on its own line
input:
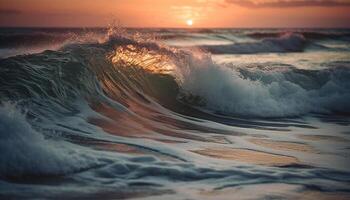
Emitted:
<point x="26" y="152"/>
<point x="268" y="93"/>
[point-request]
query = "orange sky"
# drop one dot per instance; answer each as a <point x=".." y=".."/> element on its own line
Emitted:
<point x="174" y="13"/>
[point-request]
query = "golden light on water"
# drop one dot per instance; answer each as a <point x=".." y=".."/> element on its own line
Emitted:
<point x="132" y="56"/>
<point x="189" y="22"/>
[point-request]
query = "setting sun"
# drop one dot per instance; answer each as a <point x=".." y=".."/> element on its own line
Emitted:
<point x="189" y="22"/>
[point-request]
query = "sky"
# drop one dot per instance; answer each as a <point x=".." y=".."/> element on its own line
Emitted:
<point x="176" y="13"/>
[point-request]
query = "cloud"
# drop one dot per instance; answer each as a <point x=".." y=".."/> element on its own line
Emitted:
<point x="288" y="3"/>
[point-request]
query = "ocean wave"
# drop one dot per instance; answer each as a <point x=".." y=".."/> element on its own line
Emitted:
<point x="129" y="68"/>
<point x="15" y="41"/>
<point x="129" y="114"/>
<point x="285" y="43"/>
<point x="310" y="35"/>
<point x="21" y="40"/>
<point x="272" y="92"/>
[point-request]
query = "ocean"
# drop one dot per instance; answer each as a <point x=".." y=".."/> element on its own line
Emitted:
<point x="113" y="113"/>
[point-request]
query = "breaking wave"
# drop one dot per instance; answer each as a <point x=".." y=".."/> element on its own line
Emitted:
<point x="127" y="68"/>
<point x="271" y="92"/>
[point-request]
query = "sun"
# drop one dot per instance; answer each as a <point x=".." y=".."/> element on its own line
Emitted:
<point x="189" y="22"/>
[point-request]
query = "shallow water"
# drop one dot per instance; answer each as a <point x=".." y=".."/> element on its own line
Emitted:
<point x="175" y="114"/>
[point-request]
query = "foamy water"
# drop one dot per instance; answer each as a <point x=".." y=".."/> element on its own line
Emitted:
<point x="175" y="114"/>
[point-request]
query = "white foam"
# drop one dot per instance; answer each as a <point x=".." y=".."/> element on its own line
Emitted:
<point x="25" y="151"/>
<point x="226" y="90"/>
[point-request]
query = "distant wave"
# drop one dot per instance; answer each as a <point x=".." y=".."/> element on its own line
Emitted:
<point x="18" y="40"/>
<point x="306" y="34"/>
<point x="41" y="38"/>
<point x="285" y="43"/>
<point x="244" y="41"/>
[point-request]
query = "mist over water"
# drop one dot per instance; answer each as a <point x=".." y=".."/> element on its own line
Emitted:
<point x="174" y="113"/>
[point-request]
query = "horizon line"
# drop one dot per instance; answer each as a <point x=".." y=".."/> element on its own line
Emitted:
<point x="154" y="27"/>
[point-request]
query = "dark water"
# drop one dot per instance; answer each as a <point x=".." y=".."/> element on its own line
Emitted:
<point x="174" y="113"/>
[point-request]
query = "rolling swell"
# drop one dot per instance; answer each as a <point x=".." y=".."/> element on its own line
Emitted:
<point x="21" y="37"/>
<point x="283" y="44"/>
<point x="310" y="35"/>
